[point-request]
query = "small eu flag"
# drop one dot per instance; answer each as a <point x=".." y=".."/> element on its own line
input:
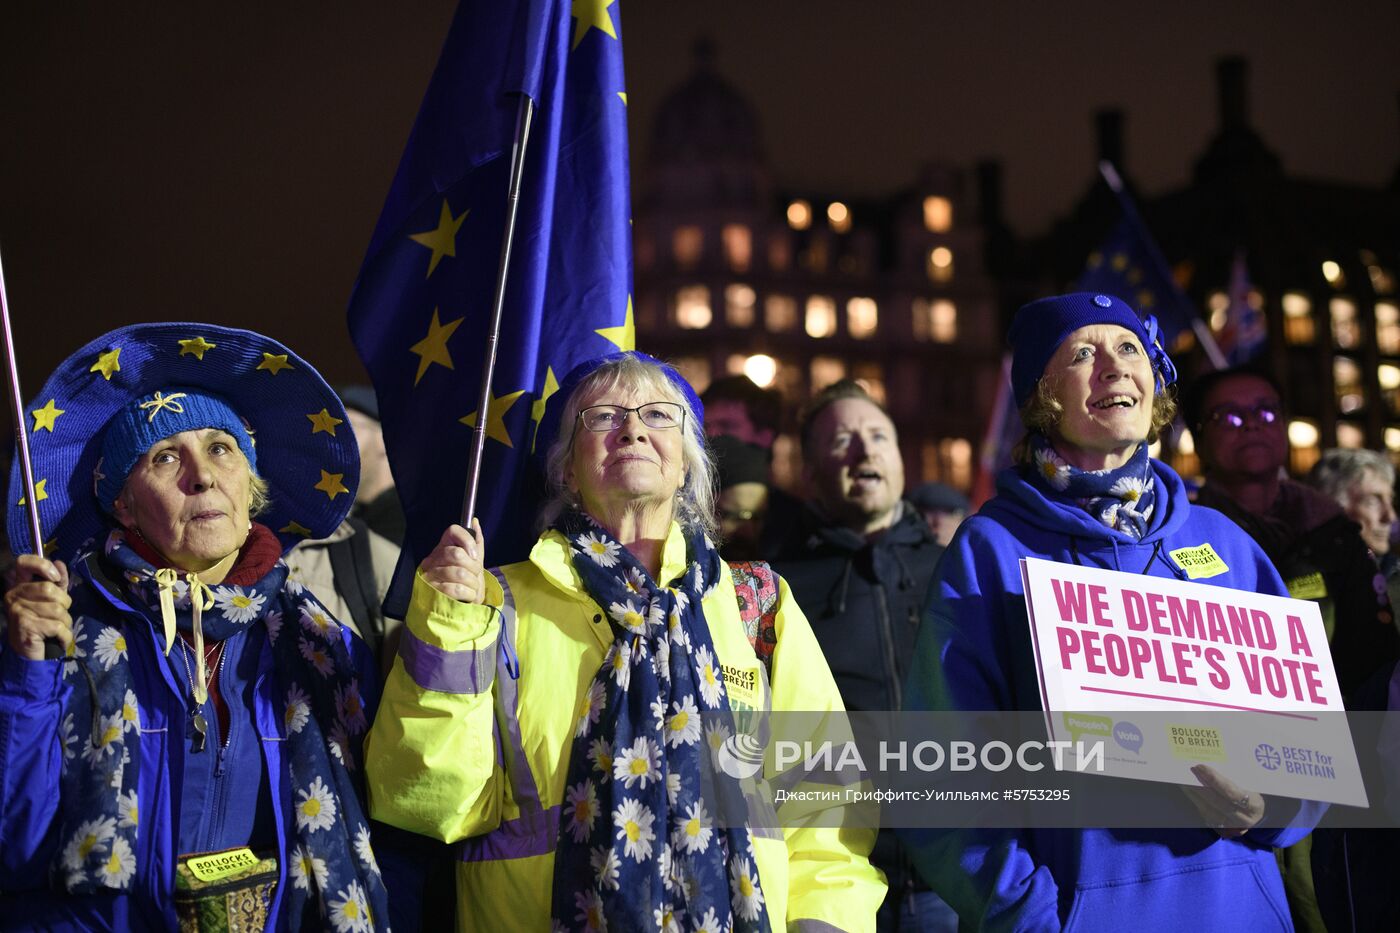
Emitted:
<point x="422" y="304"/>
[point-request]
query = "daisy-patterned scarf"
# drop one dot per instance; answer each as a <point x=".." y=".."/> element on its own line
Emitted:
<point x="330" y="862"/>
<point x="1122" y="499"/>
<point x="639" y="845"/>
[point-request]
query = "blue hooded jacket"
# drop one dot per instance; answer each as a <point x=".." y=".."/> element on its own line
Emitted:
<point x="974" y="653"/>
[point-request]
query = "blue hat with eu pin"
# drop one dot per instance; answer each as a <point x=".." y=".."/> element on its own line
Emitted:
<point x="111" y="401"/>
<point x="1041" y="326"/>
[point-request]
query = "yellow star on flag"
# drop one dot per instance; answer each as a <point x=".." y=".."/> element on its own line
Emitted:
<point x="274" y="362"/>
<point x="324" y="421"/>
<point x="295" y="528"/>
<point x="623" y="95"/>
<point x="625" y="336"/>
<point x="196" y="347"/>
<point x="591" y="14"/>
<point x="433" y="348"/>
<point x="1120" y="262"/>
<point x="496" y="409"/>
<point x="1146" y="300"/>
<point x="40" y="494"/>
<point x="331" y="484"/>
<point x="46" y="416"/>
<point x="107" y="363"/>
<point x="551" y="385"/>
<point x="442" y="240"/>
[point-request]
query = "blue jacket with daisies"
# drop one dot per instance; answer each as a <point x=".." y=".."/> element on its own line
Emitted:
<point x="239" y="791"/>
<point x="974" y="653"/>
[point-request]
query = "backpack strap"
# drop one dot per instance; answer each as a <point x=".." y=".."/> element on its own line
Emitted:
<point x="352" y="570"/>
<point x="756" y="586"/>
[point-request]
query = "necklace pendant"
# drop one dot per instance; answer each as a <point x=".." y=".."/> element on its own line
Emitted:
<point x="201" y="730"/>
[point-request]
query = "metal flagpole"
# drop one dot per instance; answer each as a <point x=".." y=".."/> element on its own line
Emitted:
<point x="1198" y="325"/>
<point x="36" y="534"/>
<point x="523" y="116"/>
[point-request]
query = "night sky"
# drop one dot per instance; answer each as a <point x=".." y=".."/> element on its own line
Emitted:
<point x="228" y="163"/>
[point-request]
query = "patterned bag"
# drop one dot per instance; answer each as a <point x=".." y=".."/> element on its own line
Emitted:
<point x="224" y="892"/>
<point x="756" y="585"/>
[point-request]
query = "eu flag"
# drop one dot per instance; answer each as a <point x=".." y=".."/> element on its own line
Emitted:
<point x="422" y="303"/>
<point x="1129" y="266"/>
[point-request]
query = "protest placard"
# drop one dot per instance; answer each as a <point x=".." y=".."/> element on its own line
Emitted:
<point x="1248" y="678"/>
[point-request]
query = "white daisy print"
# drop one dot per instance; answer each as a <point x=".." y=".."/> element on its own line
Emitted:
<point x="110" y="647"/>
<point x="119" y="865"/>
<point x="593" y="702"/>
<point x="92" y="836"/>
<point x="600" y="753"/>
<point x="1129" y="489"/>
<point x="298" y="711"/>
<point x="339" y="743"/>
<point x="716" y="734"/>
<point x="607" y="867"/>
<point x="744" y="893"/>
<point x="69" y="739"/>
<point x="666" y="919"/>
<point x="619" y="661"/>
<point x="661" y="659"/>
<point x="128" y="811"/>
<point x="351" y="707"/>
<point x="364" y="850"/>
<point x="293" y="584"/>
<point x="636" y="582"/>
<point x="675" y="631"/>
<point x="666" y="869"/>
<point x="590" y="911"/>
<point x="633" y="822"/>
<point x="316" y="808"/>
<point x="131" y="716"/>
<point x="601" y="552"/>
<point x="693" y="830"/>
<point x="107" y="738"/>
<point x="1052" y="468"/>
<point x="74" y="651"/>
<point x="683" y="728"/>
<point x="317" y="621"/>
<point x="236" y="605"/>
<point x="273" y="621"/>
<point x="307" y="869"/>
<point x="710" y="923"/>
<point x="658" y="713"/>
<point x="316" y="655"/>
<point x="673" y="788"/>
<point x="708" y="676"/>
<point x="629" y="617"/>
<point x="639" y="764"/>
<point x="581" y="810"/>
<point x="350" y="910"/>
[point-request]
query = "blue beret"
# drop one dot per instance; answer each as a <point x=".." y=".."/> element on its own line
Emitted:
<point x="1041" y="326"/>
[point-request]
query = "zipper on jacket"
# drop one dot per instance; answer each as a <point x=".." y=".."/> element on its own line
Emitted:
<point x="887" y="635"/>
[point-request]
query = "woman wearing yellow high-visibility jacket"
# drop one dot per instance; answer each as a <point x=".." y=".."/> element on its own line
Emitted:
<point x="557" y="715"/>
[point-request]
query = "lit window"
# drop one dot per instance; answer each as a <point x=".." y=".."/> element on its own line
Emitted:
<point x="826" y="370"/>
<point x="1333" y="274"/>
<point x="1346" y="377"/>
<point x="779" y="253"/>
<point x="940" y="264"/>
<point x="1346" y="327"/>
<point x="799" y="215"/>
<point x="1303" y="437"/>
<point x="935" y="319"/>
<point x="862" y="317"/>
<point x="738" y="246"/>
<point x="839" y="216"/>
<point x="821" y="316"/>
<point x="957" y="460"/>
<point x="695" y="370"/>
<point x="1382" y="282"/>
<point x="938" y="214"/>
<point x="1218" y="303"/>
<point x="1185" y="443"/>
<point x="687" y="243"/>
<point x="1298" y="326"/>
<point x="1389" y="378"/>
<point x="693" y="307"/>
<point x="1392" y="440"/>
<point x="738" y="305"/>
<point x="762" y="369"/>
<point x="1350" y="435"/>
<point x="780" y="313"/>
<point x="871" y="376"/>
<point x="1387" y="328"/>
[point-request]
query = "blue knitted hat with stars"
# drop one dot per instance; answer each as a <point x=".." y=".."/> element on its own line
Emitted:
<point x="109" y="402"/>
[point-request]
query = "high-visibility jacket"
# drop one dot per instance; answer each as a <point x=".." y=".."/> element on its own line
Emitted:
<point x="477" y="721"/>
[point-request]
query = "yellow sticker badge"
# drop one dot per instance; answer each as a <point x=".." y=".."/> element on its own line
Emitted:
<point x="1199" y="562"/>
<point x="218" y="865"/>
<point x="1308" y="586"/>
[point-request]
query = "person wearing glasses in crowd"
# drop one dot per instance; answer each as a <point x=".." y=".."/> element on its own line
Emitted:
<point x="1094" y="388"/>
<point x="557" y="715"/>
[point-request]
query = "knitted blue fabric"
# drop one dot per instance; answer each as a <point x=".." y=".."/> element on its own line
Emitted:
<point x="145" y="421"/>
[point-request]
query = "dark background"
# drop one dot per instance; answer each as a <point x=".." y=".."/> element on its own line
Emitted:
<point x="167" y="161"/>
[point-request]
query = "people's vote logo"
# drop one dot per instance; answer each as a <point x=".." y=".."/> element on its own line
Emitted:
<point x="1267" y="756"/>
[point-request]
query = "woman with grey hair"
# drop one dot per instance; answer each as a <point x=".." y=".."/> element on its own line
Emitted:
<point x="557" y="715"/>
<point x="1363" y="483"/>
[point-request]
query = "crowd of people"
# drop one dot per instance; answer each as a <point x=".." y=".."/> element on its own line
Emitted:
<point x="207" y="722"/>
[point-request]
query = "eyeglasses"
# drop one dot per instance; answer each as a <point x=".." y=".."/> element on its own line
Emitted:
<point x="659" y="416"/>
<point x="1235" y="418"/>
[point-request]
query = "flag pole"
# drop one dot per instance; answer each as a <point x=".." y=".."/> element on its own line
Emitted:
<point x="1125" y="203"/>
<point x="26" y="468"/>
<point x="523" y="116"/>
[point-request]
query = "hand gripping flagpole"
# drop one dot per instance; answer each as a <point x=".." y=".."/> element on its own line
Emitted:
<point x="31" y="499"/>
<point x="523" y="116"/>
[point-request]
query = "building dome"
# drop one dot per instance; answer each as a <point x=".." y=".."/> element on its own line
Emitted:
<point x="705" y="118"/>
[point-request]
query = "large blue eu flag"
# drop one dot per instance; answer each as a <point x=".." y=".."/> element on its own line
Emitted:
<point x="1128" y="265"/>
<point x="421" y="307"/>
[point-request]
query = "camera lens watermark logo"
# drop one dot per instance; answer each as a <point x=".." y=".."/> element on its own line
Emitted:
<point x="1267" y="756"/>
<point x="741" y="756"/>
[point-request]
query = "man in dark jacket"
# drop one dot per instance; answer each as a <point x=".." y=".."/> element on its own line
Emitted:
<point x="859" y="563"/>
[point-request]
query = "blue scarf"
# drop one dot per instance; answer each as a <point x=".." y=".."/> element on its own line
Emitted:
<point x="329" y="861"/>
<point x="1121" y="499"/>
<point x="640" y="842"/>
